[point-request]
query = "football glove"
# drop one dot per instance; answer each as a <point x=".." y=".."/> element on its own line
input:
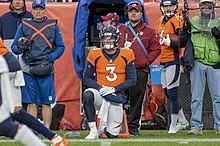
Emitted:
<point x="105" y="90"/>
<point x="24" y="43"/>
<point x="167" y="40"/>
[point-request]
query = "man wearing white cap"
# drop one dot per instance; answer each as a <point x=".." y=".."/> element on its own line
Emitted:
<point x="202" y="36"/>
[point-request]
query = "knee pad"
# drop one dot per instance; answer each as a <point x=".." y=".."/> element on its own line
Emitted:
<point x="8" y="128"/>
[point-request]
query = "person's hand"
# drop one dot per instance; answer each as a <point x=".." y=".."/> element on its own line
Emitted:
<point x="184" y="28"/>
<point x="216" y="33"/>
<point x="105" y="90"/>
<point x="167" y="40"/>
<point x="24" y="43"/>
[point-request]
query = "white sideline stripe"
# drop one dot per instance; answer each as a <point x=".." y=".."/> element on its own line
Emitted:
<point x="132" y="140"/>
<point x="105" y="143"/>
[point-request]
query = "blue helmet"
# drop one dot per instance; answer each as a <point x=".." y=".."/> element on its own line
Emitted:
<point x="109" y="32"/>
<point x="169" y="3"/>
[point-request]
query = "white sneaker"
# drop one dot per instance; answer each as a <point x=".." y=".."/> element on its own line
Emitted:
<point x="92" y="135"/>
<point x="172" y="130"/>
<point x="181" y="126"/>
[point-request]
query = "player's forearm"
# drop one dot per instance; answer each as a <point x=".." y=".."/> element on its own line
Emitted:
<point x="91" y="83"/>
<point x="88" y="77"/>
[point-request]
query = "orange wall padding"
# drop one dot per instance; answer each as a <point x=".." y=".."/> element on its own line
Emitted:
<point x="67" y="83"/>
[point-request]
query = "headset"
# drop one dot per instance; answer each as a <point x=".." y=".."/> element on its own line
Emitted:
<point x="134" y="2"/>
<point x="114" y="19"/>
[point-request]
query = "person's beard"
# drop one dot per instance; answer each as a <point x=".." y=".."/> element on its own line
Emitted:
<point x="135" y="21"/>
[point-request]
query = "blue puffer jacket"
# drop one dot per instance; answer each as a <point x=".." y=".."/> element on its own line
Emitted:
<point x="10" y="21"/>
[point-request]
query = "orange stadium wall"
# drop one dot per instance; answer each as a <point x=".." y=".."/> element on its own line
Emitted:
<point x="67" y="83"/>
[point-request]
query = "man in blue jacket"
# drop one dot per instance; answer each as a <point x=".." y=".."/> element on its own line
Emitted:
<point x="40" y="42"/>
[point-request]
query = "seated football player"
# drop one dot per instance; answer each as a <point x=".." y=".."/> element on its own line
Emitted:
<point x="114" y="72"/>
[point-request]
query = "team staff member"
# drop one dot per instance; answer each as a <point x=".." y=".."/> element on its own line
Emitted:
<point x="115" y="72"/>
<point x="170" y="24"/>
<point x="110" y="19"/>
<point x="204" y="39"/>
<point x="40" y="42"/>
<point x="144" y="56"/>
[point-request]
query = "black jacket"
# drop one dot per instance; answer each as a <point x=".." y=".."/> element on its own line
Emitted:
<point x="10" y="21"/>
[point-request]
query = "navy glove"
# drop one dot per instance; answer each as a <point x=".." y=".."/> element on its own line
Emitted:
<point x="216" y="33"/>
<point x="24" y="43"/>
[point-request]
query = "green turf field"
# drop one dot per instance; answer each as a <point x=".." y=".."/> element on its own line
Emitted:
<point x="147" y="138"/>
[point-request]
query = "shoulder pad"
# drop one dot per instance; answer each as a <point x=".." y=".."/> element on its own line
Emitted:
<point x="3" y="65"/>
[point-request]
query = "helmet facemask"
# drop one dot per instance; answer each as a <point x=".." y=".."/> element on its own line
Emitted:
<point x="169" y="8"/>
<point x="109" y="37"/>
<point x="109" y="42"/>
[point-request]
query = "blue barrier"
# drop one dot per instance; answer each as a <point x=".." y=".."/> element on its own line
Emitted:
<point x="155" y="74"/>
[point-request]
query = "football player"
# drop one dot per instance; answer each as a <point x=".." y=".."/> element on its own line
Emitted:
<point x="8" y="128"/>
<point x="110" y="70"/>
<point x="170" y="24"/>
<point x="16" y="81"/>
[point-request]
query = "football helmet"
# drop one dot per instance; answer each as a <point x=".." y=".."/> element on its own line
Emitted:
<point x="109" y="37"/>
<point x="171" y="10"/>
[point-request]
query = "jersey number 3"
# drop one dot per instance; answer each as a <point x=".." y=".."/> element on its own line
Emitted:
<point x="112" y="75"/>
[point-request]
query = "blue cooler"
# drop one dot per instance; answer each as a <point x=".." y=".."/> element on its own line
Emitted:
<point x="155" y="74"/>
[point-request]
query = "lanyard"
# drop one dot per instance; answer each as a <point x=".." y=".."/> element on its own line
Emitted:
<point x="126" y="37"/>
<point x="136" y="37"/>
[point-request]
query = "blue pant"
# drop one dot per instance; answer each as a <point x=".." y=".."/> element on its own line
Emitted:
<point x="39" y="90"/>
<point x="199" y="75"/>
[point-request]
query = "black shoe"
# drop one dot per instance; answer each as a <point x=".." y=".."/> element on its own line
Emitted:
<point x="134" y="133"/>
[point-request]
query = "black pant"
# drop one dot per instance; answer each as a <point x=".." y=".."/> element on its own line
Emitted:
<point x="136" y="96"/>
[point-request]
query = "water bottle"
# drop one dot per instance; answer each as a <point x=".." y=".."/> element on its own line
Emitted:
<point x="72" y="134"/>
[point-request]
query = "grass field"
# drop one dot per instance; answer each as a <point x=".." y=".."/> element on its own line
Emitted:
<point x="147" y="138"/>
